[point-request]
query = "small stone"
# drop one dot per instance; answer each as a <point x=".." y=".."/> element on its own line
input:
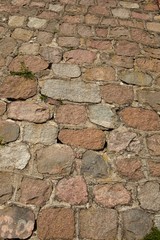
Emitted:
<point x="137" y="223"/>
<point x="15" y="155"/>
<point x="71" y="114"/>
<point x="15" y="87"/>
<point x="9" y="131"/>
<point x="66" y="70"/>
<point x="22" y="34"/>
<point x="85" y="138"/>
<point x="149" y="196"/>
<point x="44" y="37"/>
<point x="111" y="195"/>
<point x="128" y="4"/>
<point x="16" y="222"/>
<point x="35" y="191"/>
<point x="16" y="21"/>
<point x="136" y="78"/>
<point x="153" y="26"/>
<point x="139" y="118"/>
<point x="6" y="187"/>
<point x="51" y="54"/>
<point x="148" y="65"/>
<point x="32" y="63"/>
<point x="117" y="94"/>
<point x="94" y="165"/>
<point x="40" y="133"/>
<point x="72" y="190"/>
<point x="80" y="56"/>
<point x="102" y="114"/>
<point x="154" y="168"/>
<point x="68" y="41"/>
<point x="130" y="168"/>
<point x="153" y="143"/>
<point x="126" y="48"/>
<point x="37" y="23"/>
<point x="20" y="2"/>
<point x="7" y="46"/>
<point x="56" y="7"/>
<point x="55" y="223"/>
<point x="29" y="48"/>
<point x="100" y="74"/>
<point x="98" y="223"/>
<point x="152" y="98"/>
<point x="121" y="13"/>
<point x="27" y="111"/>
<point x="56" y="159"/>
<point x="2" y="107"/>
<point x="76" y="91"/>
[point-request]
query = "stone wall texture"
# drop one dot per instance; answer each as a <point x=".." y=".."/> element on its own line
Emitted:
<point x="79" y="119"/>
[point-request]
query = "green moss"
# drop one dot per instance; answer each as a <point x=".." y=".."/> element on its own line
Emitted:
<point x="1" y="140"/>
<point x="43" y="98"/>
<point x="153" y="235"/>
<point x="24" y="72"/>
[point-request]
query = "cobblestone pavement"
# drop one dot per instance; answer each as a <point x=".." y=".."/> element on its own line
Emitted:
<point x="79" y="119"/>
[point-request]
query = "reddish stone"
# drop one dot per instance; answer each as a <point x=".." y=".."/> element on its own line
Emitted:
<point x="142" y="16"/>
<point x="142" y="119"/>
<point x="85" y="31"/>
<point x="32" y="63"/>
<point x="6" y="187"/>
<point x="154" y="168"/>
<point x="102" y="32"/>
<point x="35" y="191"/>
<point x="49" y="15"/>
<point x="73" y="19"/>
<point x="145" y="64"/>
<point x="119" y="61"/>
<point x="27" y="111"/>
<point x="71" y="114"/>
<point x="100" y="45"/>
<point x="2" y="108"/>
<point x="118" y="94"/>
<point x="18" y="88"/>
<point x="85" y="138"/>
<point x="100" y="74"/>
<point x="72" y="190"/>
<point x="111" y="195"/>
<point x="153" y="143"/>
<point x="101" y="10"/>
<point x="91" y="19"/>
<point x="107" y="3"/>
<point x="130" y="168"/>
<point x="68" y="41"/>
<point x="67" y="29"/>
<point x="126" y="48"/>
<point x="80" y="56"/>
<point x="55" y="223"/>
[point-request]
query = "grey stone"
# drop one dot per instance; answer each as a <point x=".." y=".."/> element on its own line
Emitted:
<point x="9" y="131"/>
<point x="121" y="13"/>
<point x="15" y="155"/>
<point x="94" y="165"/>
<point x="149" y="196"/>
<point x="7" y="46"/>
<point x="55" y="7"/>
<point x="51" y="54"/>
<point x="136" y="78"/>
<point x="151" y="98"/>
<point x="40" y="133"/>
<point x="36" y="22"/>
<point x="71" y="90"/>
<point x="56" y="159"/>
<point x="102" y="115"/>
<point x="66" y="70"/>
<point x="137" y="223"/>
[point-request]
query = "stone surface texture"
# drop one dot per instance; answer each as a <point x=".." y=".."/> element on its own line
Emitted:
<point x="79" y="119"/>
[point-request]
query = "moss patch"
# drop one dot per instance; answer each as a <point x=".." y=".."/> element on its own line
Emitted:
<point x="153" y="235"/>
<point x="24" y="72"/>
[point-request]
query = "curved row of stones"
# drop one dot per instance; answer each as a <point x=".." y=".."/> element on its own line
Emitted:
<point x="79" y="119"/>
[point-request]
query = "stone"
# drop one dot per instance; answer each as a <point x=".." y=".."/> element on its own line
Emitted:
<point x="29" y="48"/>
<point x="28" y="111"/>
<point x="153" y="144"/>
<point x="37" y="23"/>
<point x="16" y="21"/>
<point x="128" y="4"/>
<point x="85" y="138"/>
<point x="136" y="78"/>
<point x="111" y="195"/>
<point x="115" y="60"/>
<point x="148" y="65"/>
<point x="22" y="34"/>
<point x="102" y="114"/>
<point x="9" y="131"/>
<point x="100" y="74"/>
<point x="72" y="190"/>
<point x="2" y="107"/>
<point x="66" y="70"/>
<point x="149" y="196"/>
<point x="56" y="159"/>
<point x="55" y="223"/>
<point x="94" y="165"/>
<point x="71" y="114"/>
<point x="40" y="133"/>
<point x="35" y="191"/>
<point x="14" y="87"/>
<point x="152" y="98"/>
<point x="154" y="168"/>
<point x="76" y="91"/>
<point x="56" y="7"/>
<point x="117" y="94"/>
<point x="98" y="223"/>
<point x="32" y="63"/>
<point x="7" y="46"/>
<point x="6" y="187"/>
<point x="126" y="48"/>
<point x="51" y="54"/>
<point x="67" y="29"/>
<point x="16" y="222"/>
<point x="91" y="19"/>
<point x="68" y="41"/>
<point x="120" y="139"/>
<point x="20" y="2"/>
<point x="14" y="156"/>
<point x="137" y="223"/>
<point x="80" y="56"/>
<point x="121" y="13"/>
<point x="44" y="37"/>
<point x="153" y="26"/>
<point x="130" y="168"/>
<point x="139" y="118"/>
<point x="84" y="31"/>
